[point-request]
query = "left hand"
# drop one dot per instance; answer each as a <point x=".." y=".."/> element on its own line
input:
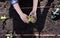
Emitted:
<point x="34" y="15"/>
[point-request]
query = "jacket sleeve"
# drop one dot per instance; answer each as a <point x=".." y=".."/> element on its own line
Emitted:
<point x="13" y="1"/>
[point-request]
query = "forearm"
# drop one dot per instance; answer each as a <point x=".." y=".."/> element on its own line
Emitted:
<point x="18" y="9"/>
<point x="35" y="4"/>
<point x="16" y="6"/>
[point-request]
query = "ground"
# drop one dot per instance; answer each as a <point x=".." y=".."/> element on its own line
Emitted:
<point x="49" y="26"/>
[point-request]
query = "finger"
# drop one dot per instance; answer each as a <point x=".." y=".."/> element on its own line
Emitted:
<point x="35" y="17"/>
<point x="31" y="14"/>
<point x="26" y="20"/>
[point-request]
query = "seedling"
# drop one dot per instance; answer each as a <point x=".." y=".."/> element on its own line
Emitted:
<point x="10" y="35"/>
<point x="3" y="17"/>
<point x="31" y="19"/>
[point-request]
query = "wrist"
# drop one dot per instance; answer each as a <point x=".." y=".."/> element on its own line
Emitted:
<point x="34" y="10"/>
<point x="20" y="14"/>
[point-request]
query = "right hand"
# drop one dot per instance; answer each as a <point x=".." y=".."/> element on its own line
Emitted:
<point x="34" y="15"/>
<point x="24" y="18"/>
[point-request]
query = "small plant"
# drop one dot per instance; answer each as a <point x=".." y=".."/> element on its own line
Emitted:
<point x="3" y="17"/>
<point x="10" y="36"/>
<point x="31" y="19"/>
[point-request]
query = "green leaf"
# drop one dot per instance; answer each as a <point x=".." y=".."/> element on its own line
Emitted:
<point x="11" y="35"/>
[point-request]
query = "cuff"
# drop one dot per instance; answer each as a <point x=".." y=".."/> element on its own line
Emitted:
<point x="13" y="1"/>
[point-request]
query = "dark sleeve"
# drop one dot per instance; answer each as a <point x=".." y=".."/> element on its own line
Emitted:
<point x="13" y="1"/>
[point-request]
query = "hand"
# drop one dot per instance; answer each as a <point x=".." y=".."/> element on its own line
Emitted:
<point x="33" y="14"/>
<point x="24" y="18"/>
